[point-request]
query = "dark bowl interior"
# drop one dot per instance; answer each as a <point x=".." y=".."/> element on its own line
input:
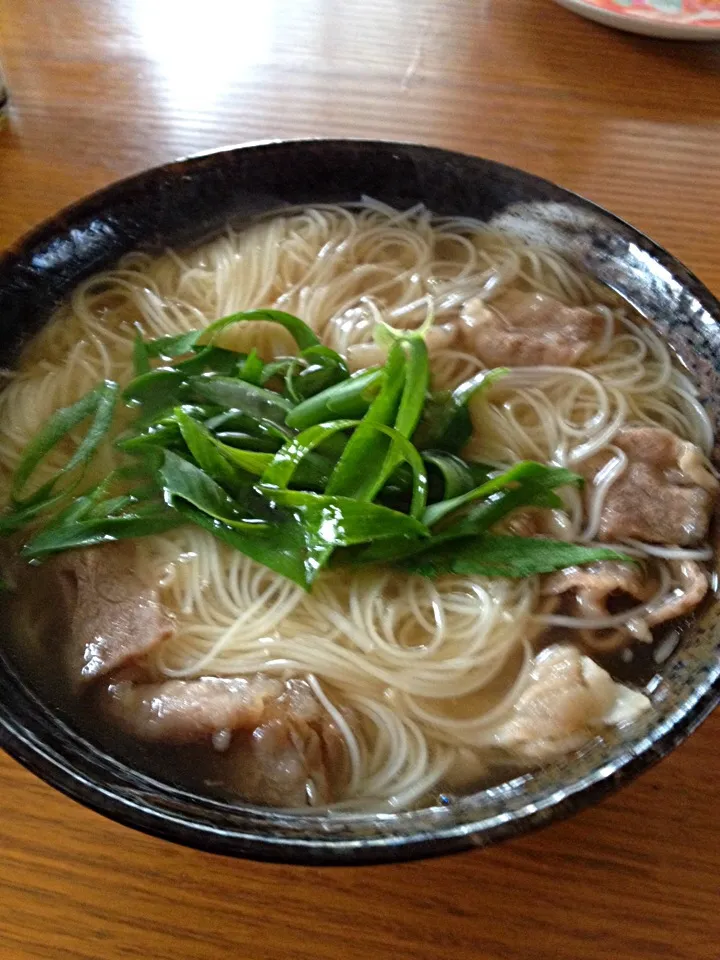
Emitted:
<point x="189" y="200"/>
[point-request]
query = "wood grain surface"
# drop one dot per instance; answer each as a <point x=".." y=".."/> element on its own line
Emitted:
<point x="103" y="88"/>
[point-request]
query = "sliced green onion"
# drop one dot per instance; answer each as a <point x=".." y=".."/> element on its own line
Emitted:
<point x="98" y="404"/>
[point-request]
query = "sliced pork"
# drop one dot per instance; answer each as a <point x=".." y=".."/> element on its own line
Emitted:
<point x="186" y="711"/>
<point x="536" y="522"/>
<point x="600" y="590"/>
<point x="296" y="756"/>
<point x="528" y="330"/>
<point x="666" y="494"/>
<point x="691" y="587"/>
<point x="284" y="749"/>
<point x="115" y="618"/>
<point x="528" y="522"/>
<point x="592" y="589"/>
<point x="568" y="700"/>
<point x="597" y="592"/>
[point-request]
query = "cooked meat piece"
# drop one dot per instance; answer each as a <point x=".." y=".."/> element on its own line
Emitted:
<point x="527" y="522"/>
<point x="665" y="495"/>
<point x="692" y="585"/>
<point x="591" y="587"/>
<point x="114" y="617"/>
<point x="587" y="591"/>
<point x="360" y="356"/>
<point x="296" y="757"/>
<point x="568" y="700"/>
<point x="283" y="746"/>
<point x="528" y="330"/>
<point x="537" y="522"/>
<point x="185" y="711"/>
<point x="682" y="460"/>
<point x="693" y="466"/>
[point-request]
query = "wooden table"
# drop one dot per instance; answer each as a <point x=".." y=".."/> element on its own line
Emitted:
<point x="103" y="88"/>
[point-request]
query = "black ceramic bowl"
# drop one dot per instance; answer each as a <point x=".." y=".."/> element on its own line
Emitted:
<point x="187" y="201"/>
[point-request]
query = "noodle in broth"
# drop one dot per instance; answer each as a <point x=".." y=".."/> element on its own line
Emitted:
<point x="419" y="676"/>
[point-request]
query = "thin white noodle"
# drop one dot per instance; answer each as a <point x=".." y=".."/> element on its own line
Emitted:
<point x="344" y="728"/>
<point x="672" y="553"/>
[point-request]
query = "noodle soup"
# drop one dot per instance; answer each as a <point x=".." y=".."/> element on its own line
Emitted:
<point x="507" y="494"/>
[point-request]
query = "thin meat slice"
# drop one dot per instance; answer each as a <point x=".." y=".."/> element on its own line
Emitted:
<point x="693" y="467"/>
<point x="114" y="616"/>
<point x="283" y="747"/>
<point x="529" y="330"/>
<point x="665" y="495"/>
<point x="590" y="589"/>
<point x="186" y="711"/>
<point x="536" y="522"/>
<point x="296" y="757"/>
<point x="528" y="522"/>
<point x="568" y="700"/>
<point x="598" y="591"/>
<point x="691" y="587"/>
<point x="588" y="592"/>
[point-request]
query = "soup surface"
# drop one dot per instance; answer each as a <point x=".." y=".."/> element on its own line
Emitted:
<point x="427" y="518"/>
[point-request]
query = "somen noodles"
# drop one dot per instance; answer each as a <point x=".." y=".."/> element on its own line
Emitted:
<point x="431" y="586"/>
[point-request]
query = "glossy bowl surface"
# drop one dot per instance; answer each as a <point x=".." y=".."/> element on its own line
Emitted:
<point x="191" y="199"/>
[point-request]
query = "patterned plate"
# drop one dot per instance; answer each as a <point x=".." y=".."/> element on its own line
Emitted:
<point x="677" y="19"/>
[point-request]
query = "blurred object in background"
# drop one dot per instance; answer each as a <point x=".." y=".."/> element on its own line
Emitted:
<point x="3" y="99"/>
<point x="672" y="19"/>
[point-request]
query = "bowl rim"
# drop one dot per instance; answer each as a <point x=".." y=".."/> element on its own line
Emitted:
<point x="576" y="793"/>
